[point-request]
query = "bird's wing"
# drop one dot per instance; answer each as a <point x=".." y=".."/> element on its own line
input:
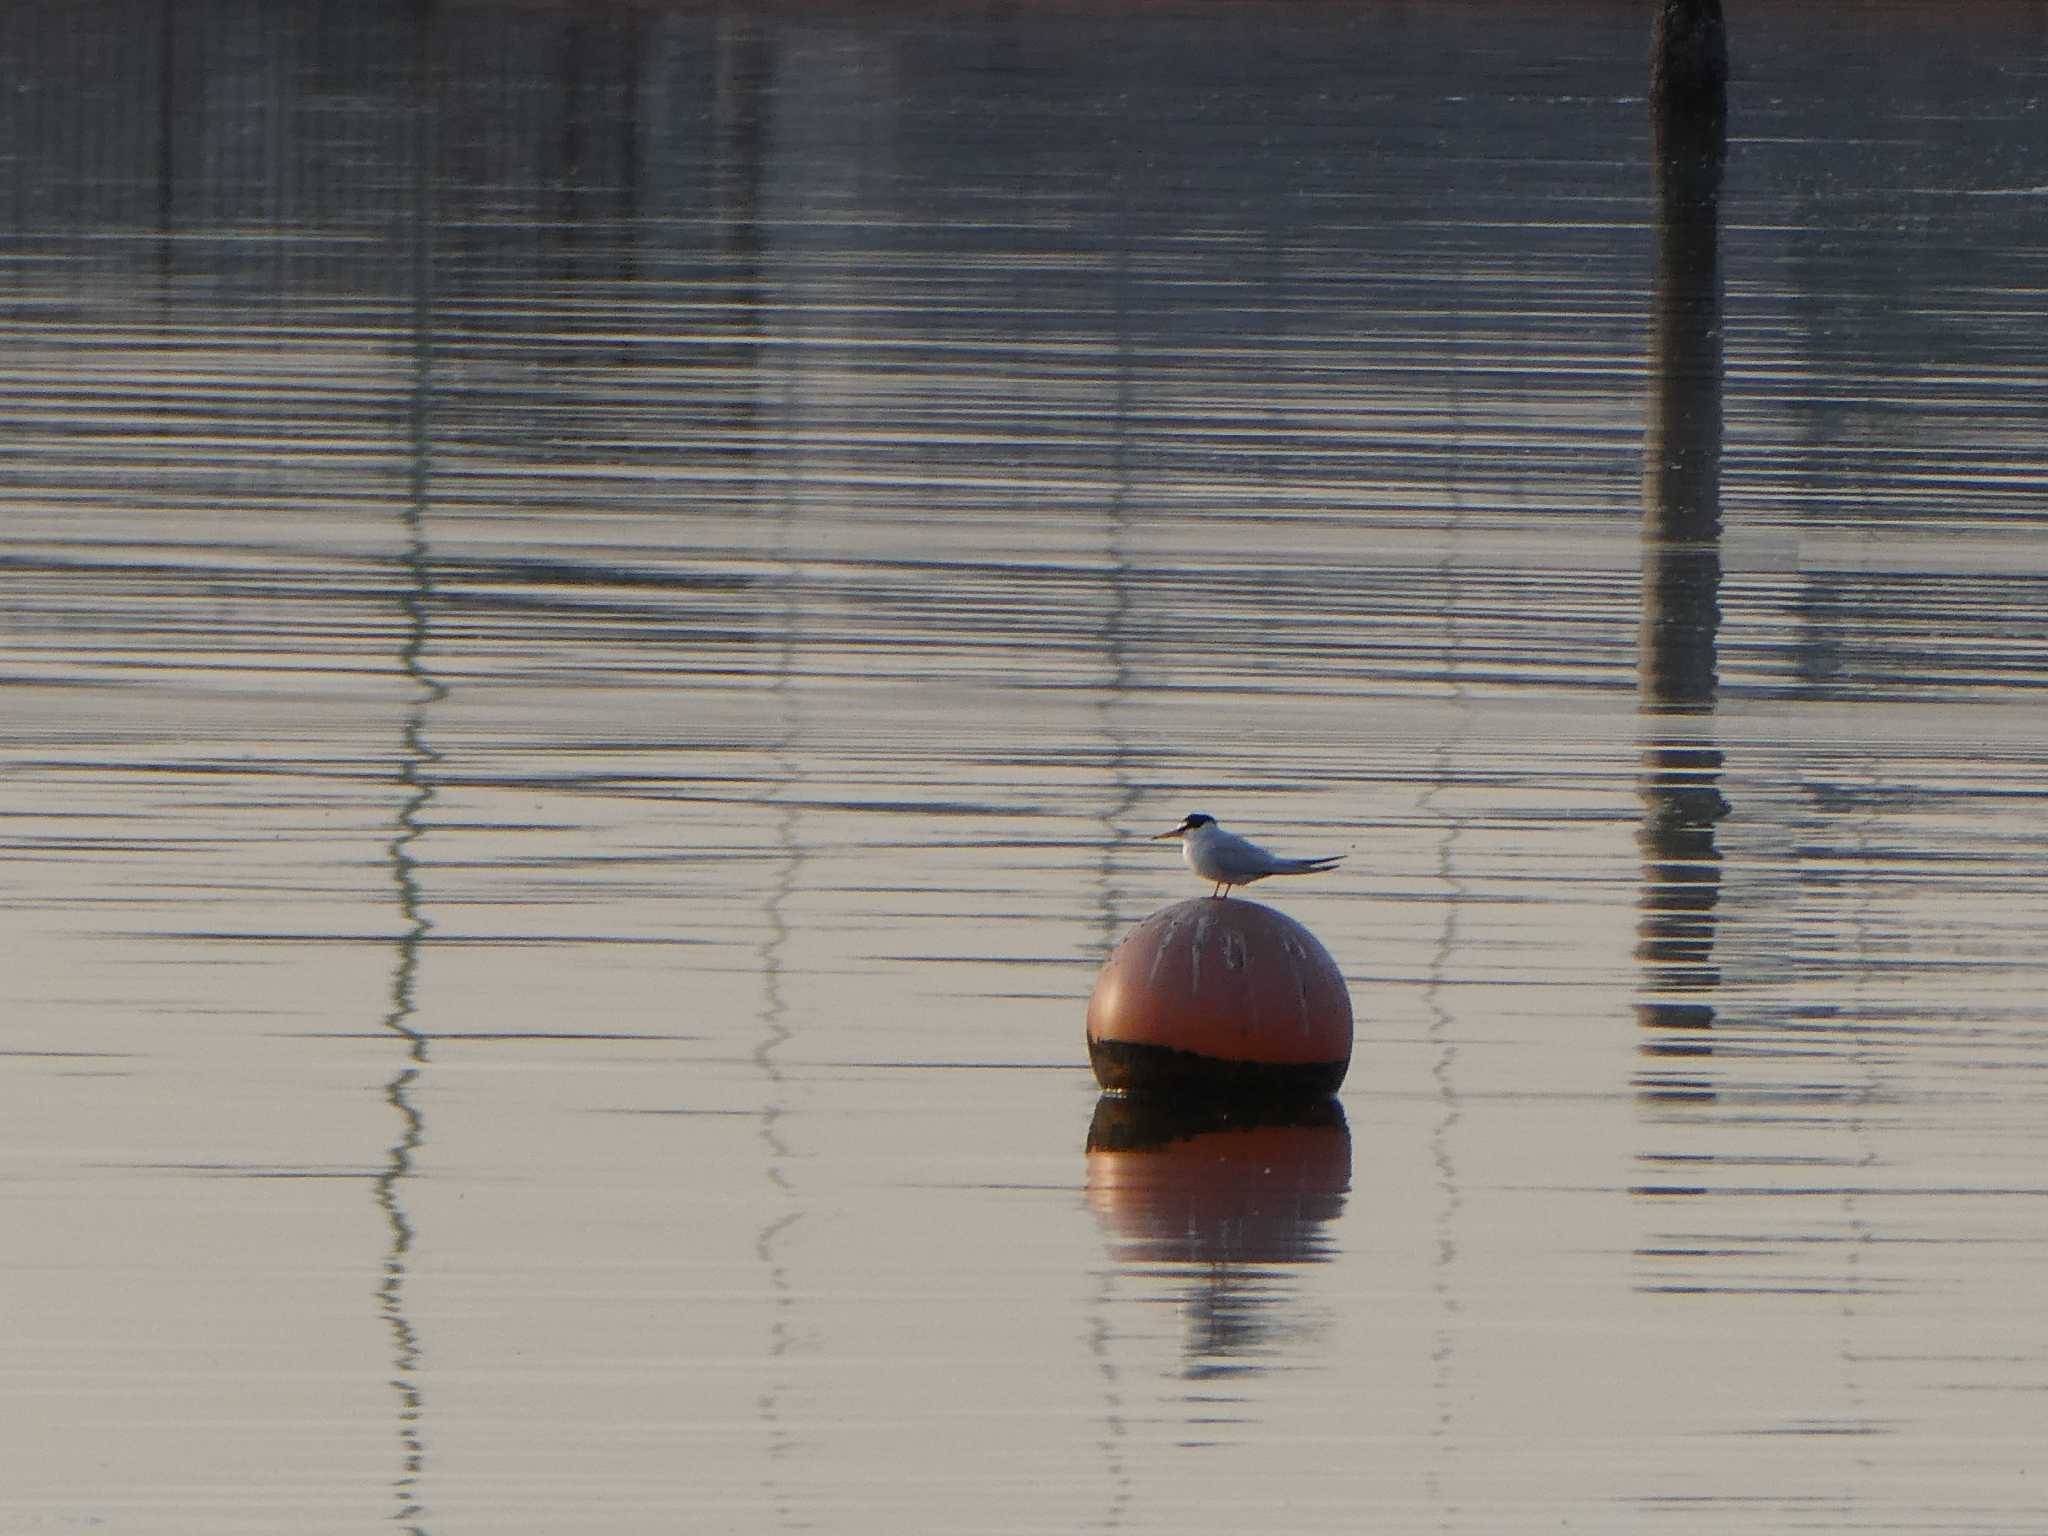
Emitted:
<point x="1307" y="866"/>
<point x="1241" y="856"/>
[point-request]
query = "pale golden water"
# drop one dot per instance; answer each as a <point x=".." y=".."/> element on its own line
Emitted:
<point x="596" y="602"/>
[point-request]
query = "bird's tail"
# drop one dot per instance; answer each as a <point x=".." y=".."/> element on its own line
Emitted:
<point x="1307" y="866"/>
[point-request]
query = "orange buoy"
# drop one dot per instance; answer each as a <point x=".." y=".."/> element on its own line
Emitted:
<point x="1220" y="997"/>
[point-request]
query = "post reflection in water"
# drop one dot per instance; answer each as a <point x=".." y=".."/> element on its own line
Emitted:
<point x="417" y="758"/>
<point x="741" y="78"/>
<point x="1228" y="1195"/>
<point x="1677" y="679"/>
<point x="401" y="1091"/>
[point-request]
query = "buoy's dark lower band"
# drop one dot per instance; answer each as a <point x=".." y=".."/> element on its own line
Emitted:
<point x="1124" y="1067"/>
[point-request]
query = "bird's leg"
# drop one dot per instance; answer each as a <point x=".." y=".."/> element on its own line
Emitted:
<point x="1222" y="891"/>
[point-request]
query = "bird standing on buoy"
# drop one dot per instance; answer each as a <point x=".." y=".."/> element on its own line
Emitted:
<point x="1227" y="859"/>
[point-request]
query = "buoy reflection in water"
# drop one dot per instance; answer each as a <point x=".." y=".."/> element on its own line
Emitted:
<point x="1228" y="1193"/>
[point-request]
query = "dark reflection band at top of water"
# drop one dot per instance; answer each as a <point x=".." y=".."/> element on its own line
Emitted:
<point x="609" y="346"/>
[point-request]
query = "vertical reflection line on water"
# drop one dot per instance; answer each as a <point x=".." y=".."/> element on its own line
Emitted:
<point x="1123" y="797"/>
<point x="1124" y="793"/>
<point x="1444" y="1046"/>
<point x="1822" y="894"/>
<point x="399" y="1092"/>
<point x="1677" y="664"/>
<point x="166" y="135"/>
<point x="1116" y="1429"/>
<point x="743" y="67"/>
<point x="1856" y="1225"/>
<point x="415" y="781"/>
<point x="776" y="1033"/>
<point x="582" y="233"/>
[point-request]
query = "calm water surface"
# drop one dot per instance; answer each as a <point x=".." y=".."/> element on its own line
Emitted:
<point x="596" y="602"/>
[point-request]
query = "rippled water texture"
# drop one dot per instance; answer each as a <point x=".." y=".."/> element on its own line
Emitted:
<point x="597" y="600"/>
